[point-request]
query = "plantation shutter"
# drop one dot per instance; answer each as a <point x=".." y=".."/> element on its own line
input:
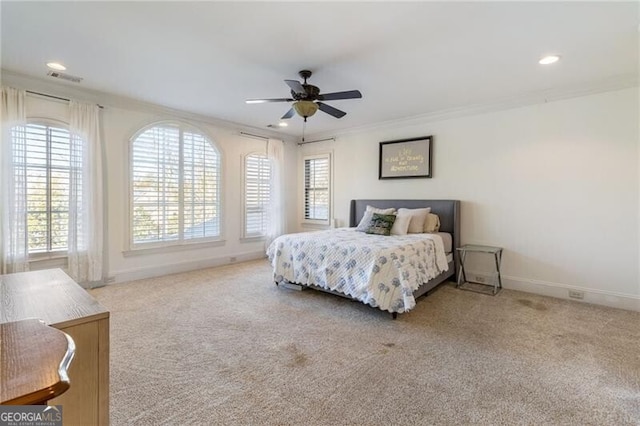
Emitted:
<point x="156" y="185"/>
<point x="316" y="188"/>
<point x="256" y="194"/>
<point x="201" y="191"/>
<point x="47" y="182"/>
<point x="174" y="186"/>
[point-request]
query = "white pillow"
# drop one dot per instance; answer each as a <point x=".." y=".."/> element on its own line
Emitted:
<point x="418" y="216"/>
<point x="432" y="224"/>
<point x="368" y="215"/>
<point x="401" y="225"/>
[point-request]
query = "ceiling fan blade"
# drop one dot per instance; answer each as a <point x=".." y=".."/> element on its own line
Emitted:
<point x="262" y="101"/>
<point x="331" y="110"/>
<point x="296" y="86"/>
<point x="350" y="94"/>
<point x="289" y="114"/>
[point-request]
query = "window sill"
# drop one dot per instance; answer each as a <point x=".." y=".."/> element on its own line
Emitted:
<point x="49" y="262"/>
<point x="52" y="255"/>
<point x="172" y="248"/>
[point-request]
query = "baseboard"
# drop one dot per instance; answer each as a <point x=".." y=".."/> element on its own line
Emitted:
<point x="175" y="268"/>
<point x="612" y="299"/>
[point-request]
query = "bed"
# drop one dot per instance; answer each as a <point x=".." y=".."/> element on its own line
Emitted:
<point x="388" y="273"/>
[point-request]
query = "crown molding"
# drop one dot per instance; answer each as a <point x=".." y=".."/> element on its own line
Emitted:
<point x="620" y="82"/>
<point x="26" y="82"/>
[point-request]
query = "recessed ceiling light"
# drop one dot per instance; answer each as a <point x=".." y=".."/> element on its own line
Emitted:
<point x="283" y="124"/>
<point x="547" y="60"/>
<point x="56" y="66"/>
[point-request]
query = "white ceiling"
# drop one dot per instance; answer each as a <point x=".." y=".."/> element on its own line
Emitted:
<point x="407" y="59"/>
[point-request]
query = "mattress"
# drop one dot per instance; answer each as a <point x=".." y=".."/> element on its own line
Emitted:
<point x="447" y="241"/>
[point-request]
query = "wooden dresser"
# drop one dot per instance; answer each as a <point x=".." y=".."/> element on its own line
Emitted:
<point x="56" y="299"/>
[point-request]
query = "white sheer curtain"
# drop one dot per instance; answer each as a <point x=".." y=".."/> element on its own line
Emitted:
<point x="275" y="154"/>
<point x="14" y="252"/>
<point x="85" y="195"/>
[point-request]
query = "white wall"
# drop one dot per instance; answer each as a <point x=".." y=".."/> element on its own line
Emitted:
<point x="119" y="125"/>
<point x="555" y="184"/>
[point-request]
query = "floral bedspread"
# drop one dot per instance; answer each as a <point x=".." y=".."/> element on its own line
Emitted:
<point x="382" y="271"/>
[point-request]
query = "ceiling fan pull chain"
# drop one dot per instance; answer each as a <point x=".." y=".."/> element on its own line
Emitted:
<point x="304" y="126"/>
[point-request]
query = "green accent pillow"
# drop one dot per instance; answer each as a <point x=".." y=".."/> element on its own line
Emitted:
<point x="381" y="224"/>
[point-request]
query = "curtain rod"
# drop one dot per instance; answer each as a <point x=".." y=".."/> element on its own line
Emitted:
<point x="254" y="136"/>
<point x="318" y="140"/>
<point x="53" y="97"/>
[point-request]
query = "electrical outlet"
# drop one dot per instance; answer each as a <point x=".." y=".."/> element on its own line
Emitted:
<point x="232" y="259"/>
<point x="574" y="294"/>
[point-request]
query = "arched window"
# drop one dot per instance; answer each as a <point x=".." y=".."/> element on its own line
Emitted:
<point x="49" y="166"/>
<point x="175" y="186"/>
<point x="257" y="194"/>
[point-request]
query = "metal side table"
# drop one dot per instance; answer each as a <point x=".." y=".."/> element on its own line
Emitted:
<point x="462" y="274"/>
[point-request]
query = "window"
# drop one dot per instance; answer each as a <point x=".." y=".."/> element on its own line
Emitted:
<point x="257" y="191"/>
<point x="175" y="187"/>
<point x="317" y="183"/>
<point x="48" y="164"/>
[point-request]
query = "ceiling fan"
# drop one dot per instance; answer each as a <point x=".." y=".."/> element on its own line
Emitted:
<point x="306" y="99"/>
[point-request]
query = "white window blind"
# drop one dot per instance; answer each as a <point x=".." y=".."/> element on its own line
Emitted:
<point x="257" y="191"/>
<point x="317" y="172"/>
<point x="175" y="193"/>
<point x="48" y="170"/>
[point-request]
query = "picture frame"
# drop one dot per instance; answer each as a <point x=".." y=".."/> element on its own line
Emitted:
<point x="406" y="158"/>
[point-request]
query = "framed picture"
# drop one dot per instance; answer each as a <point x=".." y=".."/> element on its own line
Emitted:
<point x="405" y="158"/>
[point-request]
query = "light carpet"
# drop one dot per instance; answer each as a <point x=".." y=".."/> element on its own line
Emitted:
<point x="226" y="346"/>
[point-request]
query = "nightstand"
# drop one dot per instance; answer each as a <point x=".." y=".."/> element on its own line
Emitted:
<point x="462" y="275"/>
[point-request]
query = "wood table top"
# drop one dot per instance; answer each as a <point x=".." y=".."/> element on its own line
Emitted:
<point x="50" y="295"/>
<point x="34" y="359"/>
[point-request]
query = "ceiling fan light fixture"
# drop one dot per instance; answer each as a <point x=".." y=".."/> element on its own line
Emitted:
<point x="305" y="108"/>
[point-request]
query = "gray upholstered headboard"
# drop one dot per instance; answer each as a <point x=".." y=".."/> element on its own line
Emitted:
<point x="447" y="210"/>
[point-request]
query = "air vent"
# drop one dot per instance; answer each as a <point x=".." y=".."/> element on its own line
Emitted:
<point x="64" y="76"/>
